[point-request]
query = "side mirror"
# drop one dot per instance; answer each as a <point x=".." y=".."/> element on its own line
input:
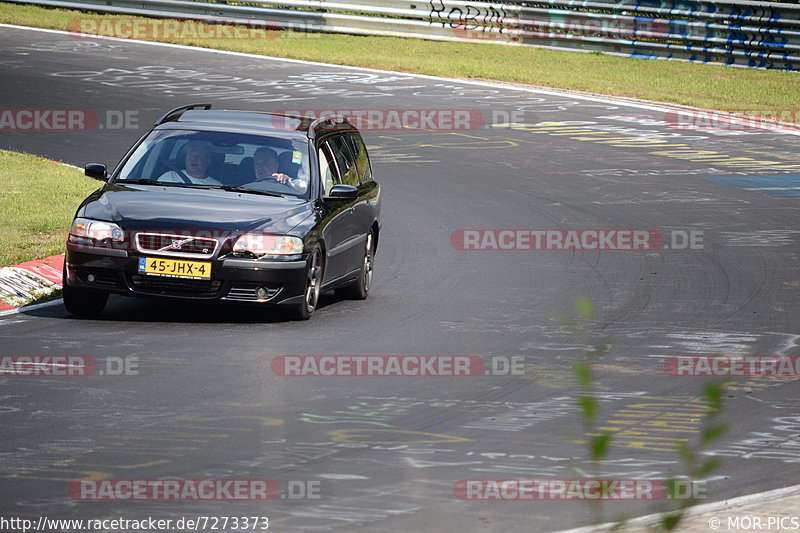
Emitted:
<point x="96" y="171"/>
<point x="343" y="192"/>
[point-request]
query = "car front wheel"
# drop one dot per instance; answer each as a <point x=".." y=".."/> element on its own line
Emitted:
<point x="313" y="286"/>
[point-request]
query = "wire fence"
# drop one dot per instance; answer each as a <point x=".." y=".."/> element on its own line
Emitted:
<point x="762" y="35"/>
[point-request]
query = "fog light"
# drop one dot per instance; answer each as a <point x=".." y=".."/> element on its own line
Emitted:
<point x="90" y="278"/>
<point x="261" y="292"/>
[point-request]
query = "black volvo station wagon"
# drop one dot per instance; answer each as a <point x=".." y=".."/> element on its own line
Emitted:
<point x="232" y="206"/>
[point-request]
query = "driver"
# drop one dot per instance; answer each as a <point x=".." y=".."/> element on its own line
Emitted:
<point x="196" y="162"/>
<point x="265" y="162"/>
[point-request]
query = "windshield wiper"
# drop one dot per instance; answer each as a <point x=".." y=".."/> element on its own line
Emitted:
<point x="234" y="188"/>
<point x="148" y="181"/>
<point x="141" y="181"/>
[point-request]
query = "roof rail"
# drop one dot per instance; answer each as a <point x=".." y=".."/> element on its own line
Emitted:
<point x="178" y="111"/>
<point x="332" y="119"/>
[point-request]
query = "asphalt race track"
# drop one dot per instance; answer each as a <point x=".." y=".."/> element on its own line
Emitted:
<point x="383" y="454"/>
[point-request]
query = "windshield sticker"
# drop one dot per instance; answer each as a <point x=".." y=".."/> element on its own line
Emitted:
<point x="297" y="157"/>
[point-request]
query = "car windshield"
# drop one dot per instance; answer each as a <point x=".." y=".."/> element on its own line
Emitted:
<point x="233" y="161"/>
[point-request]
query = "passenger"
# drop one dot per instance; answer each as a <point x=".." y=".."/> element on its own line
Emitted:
<point x="196" y="162"/>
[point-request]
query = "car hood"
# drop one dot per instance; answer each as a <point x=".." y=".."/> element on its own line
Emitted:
<point x="156" y="207"/>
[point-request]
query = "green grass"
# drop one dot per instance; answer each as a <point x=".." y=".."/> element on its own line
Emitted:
<point x="38" y="200"/>
<point x="715" y="87"/>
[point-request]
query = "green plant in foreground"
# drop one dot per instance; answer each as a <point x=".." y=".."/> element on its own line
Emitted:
<point x="695" y="468"/>
<point x="599" y="442"/>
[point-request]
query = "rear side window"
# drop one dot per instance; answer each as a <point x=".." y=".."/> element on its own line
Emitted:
<point x="345" y="160"/>
<point x="361" y="157"/>
<point x="328" y="171"/>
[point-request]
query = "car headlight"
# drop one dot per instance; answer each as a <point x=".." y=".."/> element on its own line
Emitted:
<point x="88" y="231"/>
<point x="260" y="244"/>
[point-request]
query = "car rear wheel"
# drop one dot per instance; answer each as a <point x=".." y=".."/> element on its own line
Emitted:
<point x="82" y="302"/>
<point x="313" y="287"/>
<point x="359" y="289"/>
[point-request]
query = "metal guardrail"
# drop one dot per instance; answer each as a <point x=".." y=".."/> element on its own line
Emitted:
<point x="731" y="32"/>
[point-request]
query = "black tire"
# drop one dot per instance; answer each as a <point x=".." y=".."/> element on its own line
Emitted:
<point x="82" y="302"/>
<point x="313" y="286"/>
<point x="359" y="289"/>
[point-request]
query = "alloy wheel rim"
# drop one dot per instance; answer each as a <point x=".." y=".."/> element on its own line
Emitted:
<point x="368" y="263"/>
<point x="312" y="284"/>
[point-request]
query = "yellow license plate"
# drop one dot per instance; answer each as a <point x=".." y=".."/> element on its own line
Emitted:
<point x="175" y="268"/>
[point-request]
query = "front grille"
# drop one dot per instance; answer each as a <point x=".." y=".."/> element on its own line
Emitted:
<point x="178" y="245"/>
<point x="186" y="288"/>
<point x="247" y="293"/>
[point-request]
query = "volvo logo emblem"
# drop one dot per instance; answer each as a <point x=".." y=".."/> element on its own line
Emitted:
<point x="174" y="244"/>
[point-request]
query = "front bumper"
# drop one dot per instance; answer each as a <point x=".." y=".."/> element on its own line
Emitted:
<point x="232" y="279"/>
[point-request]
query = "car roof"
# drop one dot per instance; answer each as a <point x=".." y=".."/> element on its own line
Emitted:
<point x="254" y="122"/>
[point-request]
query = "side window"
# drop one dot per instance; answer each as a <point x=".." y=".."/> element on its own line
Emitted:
<point x="360" y="153"/>
<point x="345" y="160"/>
<point x="328" y="172"/>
